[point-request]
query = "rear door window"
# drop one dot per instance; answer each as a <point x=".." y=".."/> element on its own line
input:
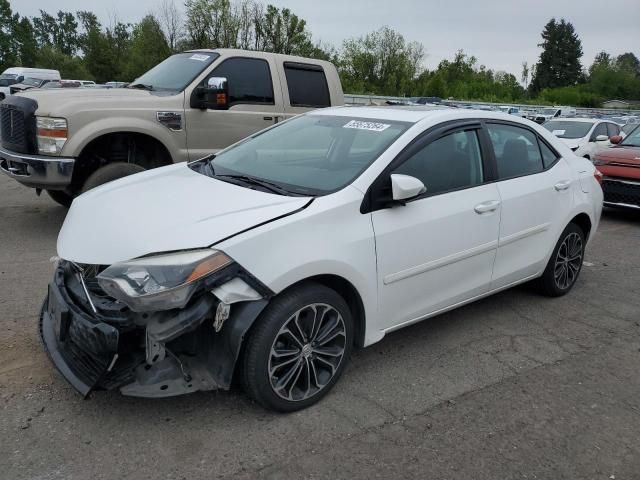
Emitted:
<point x="516" y="150"/>
<point x="307" y="85"/>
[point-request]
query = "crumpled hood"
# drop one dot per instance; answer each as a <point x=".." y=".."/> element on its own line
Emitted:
<point x="165" y="209"/>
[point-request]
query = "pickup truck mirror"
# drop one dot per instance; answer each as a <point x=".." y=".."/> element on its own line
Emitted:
<point x="615" y="139"/>
<point x="213" y="96"/>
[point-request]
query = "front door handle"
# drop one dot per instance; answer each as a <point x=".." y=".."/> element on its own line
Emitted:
<point x="486" y="207"/>
<point x="563" y="185"/>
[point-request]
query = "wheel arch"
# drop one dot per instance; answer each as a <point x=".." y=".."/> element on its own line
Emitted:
<point x="351" y="296"/>
<point x="105" y="144"/>
<point x="584" y="222"/>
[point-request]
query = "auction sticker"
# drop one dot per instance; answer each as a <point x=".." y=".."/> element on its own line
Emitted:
<point x="558" y="133"/>
<point x="199" y="57"/>
<point x="371" y="126"/>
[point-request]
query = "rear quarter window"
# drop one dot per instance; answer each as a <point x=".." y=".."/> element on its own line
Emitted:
<point x="307" y="85"/>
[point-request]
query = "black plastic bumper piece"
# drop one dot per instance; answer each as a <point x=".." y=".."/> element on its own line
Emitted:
<point x="81" y="350"/>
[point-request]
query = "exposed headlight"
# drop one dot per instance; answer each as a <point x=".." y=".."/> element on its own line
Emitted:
<point x="52" y="134"/>
<point x="160" y="282"/>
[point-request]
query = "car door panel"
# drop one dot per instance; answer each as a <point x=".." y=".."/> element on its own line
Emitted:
<point x="534" y="208"/>
<point x="438" y="250"/>
<point x="434" y="252"/>
<point x="211" y="130"/>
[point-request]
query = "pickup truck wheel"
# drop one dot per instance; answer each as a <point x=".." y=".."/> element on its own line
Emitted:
<point x="110" y="172"/>
<point x="63" y="198"/>
<point x="298" y="348"/>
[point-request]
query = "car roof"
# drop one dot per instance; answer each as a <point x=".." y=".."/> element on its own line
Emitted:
<point x="414" y="114"/>
<point x="578" y="119"/>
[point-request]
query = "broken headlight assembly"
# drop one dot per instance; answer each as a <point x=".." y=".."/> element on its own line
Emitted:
<point x="160" y="282"/>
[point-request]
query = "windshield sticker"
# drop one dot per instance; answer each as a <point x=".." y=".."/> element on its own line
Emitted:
<point x="558" y="133"/>
<point x="199" y="57"/>
<point x="371" y="126"/>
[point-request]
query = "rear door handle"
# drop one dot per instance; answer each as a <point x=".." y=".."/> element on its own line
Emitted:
<point x="563" y="185"/>
<point x="486" y="207"/>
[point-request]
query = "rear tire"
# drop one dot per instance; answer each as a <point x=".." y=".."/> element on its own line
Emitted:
<point x="565" y="263"/>
<point x="110" y="172"/>
<point x="298" y="348"/>
<point x="60" y="197"/>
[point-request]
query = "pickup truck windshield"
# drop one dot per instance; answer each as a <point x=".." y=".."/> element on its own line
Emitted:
<point x="568" y="129"/>
<point x="309" y="155"/>
<point x="176" y="72"/>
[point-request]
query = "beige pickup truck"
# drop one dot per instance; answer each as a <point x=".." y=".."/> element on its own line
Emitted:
<point x="192" y="104"/>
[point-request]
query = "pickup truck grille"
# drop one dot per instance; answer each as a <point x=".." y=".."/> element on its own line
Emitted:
<point x="18" y="124"/>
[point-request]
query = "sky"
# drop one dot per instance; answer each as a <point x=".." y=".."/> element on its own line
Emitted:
<point x="501" y="34"/>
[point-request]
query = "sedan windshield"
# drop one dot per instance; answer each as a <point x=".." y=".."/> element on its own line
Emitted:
<point x="176" y="72"/>
<point x="568" y="129"/>
<point x="633" y="139"/>
<point x="308" y="155"/>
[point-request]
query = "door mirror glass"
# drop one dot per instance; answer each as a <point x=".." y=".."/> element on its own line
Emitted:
<point x="601" y="138"/>
<point x="405" y="187"/>
<point x="616" y="139"/>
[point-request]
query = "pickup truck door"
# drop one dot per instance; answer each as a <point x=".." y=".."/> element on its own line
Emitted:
<point x="255" y="103"/>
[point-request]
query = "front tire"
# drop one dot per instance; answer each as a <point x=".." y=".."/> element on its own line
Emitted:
<point x="110" y="172"/>
<point x="298" y="348"/>
<point x="565" y="263"/>
<point x="61" y="197"/>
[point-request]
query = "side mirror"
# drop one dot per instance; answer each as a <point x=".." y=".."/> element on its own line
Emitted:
<point x="213" y="96"/>
<point x="602" y="138"/>
<point x="616" y="139"/>
<point x="405" y="187"/>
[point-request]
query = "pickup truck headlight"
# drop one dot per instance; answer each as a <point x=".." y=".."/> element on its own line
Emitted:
<point x="160" y="282"/>
<point x="52" y="135"/>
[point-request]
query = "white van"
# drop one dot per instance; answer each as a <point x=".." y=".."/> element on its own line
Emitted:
<point x="16" y="75"/>
<point x="550" y="113"/>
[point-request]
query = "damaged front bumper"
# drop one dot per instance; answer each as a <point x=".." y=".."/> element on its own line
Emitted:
<point x="98" y="343"/>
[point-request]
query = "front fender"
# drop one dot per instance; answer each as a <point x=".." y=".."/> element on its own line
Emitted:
<point x="174" y="142"/>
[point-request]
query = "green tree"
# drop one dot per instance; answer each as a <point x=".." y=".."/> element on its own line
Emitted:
<point x="8" y="54"/>
<point x="628" y="62"/>
<point x="69" y="66"/>
<point x="381" y="62"/>
<point x="27" y="46"/>
<point x="60" y="32"/>
<point x="148" y="47"/>
<point x="559" y="63"/>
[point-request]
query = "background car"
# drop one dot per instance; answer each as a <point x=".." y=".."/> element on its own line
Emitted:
<point x="583" y="135"/>
<point x="620" y="166"/>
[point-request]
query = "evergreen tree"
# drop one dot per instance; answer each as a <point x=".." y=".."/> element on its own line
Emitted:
<point x="559" y="63"/>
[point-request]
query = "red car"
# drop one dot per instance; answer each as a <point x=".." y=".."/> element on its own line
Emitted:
<point x="620" y="167"/>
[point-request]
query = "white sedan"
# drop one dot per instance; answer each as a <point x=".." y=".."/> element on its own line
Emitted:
<point x="585" y="136"/>
<point x="270" y="261"/>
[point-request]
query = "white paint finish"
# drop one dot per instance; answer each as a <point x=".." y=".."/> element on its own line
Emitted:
<point x="534" y="214"/>
<point x="406" y="262"/>
<point x="161" y="210"/>
<point x="434" y="251"/>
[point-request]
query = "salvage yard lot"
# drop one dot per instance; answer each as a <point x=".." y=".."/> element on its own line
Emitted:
<point x="514" y="386"/>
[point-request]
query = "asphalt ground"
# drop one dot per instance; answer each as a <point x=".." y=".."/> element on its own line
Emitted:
<point x="516" y="386"/>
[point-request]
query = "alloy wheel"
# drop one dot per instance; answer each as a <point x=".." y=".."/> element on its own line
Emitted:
<point x="307" y="352"/>
<point x="568" y="261"/>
